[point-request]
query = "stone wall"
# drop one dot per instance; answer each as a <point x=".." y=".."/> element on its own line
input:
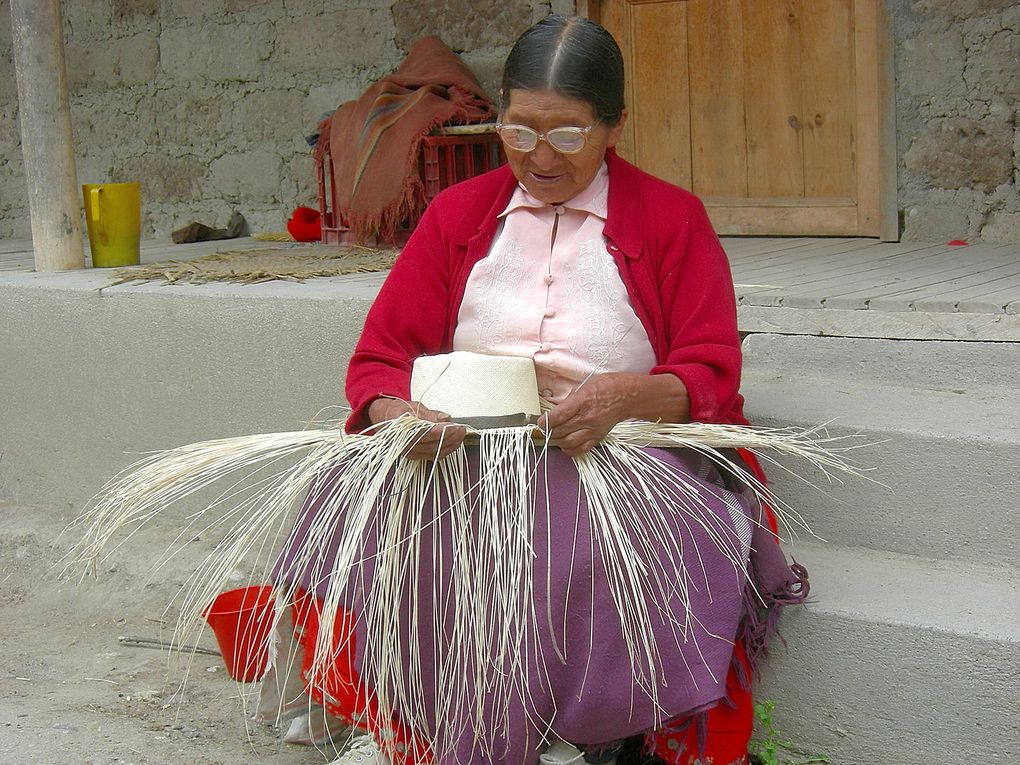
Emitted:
<point x="208" y="102"/>
<point x="958" y="118"/>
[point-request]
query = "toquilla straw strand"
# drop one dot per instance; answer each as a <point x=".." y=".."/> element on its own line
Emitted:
<point x="375" y="493"/>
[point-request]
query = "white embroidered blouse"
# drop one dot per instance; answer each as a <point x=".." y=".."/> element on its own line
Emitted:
<point x="549" y="289"/>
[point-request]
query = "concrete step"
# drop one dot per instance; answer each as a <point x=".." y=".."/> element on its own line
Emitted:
<point x="918" y="364"/>
<point x="899" y="660"/>
<point x="94" y="375"/>
<point x="945" y="456"/>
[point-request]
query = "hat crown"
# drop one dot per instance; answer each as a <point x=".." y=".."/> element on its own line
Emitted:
<point x="464" y="384"/>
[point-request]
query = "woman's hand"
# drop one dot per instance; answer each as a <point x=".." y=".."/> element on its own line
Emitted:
<point x="584" y="417"/>
<point x="437" y="442"/>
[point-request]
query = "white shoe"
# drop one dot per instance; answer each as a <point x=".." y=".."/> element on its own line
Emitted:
<point x="317" y="728"/>
<point x="362" y="750"/>
<point x="561" y="753"/>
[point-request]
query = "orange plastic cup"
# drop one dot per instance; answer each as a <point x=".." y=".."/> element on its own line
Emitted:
<point x="242" y="621"/>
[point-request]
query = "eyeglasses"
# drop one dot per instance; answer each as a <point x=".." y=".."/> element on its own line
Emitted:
<point x="566" y="140"/>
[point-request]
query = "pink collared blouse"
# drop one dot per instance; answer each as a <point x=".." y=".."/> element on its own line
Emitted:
<point x="549" y="289"/>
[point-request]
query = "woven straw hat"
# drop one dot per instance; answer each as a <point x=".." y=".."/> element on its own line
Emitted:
<point x="477" y="389"/>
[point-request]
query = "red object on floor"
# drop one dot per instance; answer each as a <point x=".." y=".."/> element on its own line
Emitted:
<point x="242" y="620"/>
<point x="957" y="243"/>
<point x="305" y="225"/>
<point x="337" y="686"/>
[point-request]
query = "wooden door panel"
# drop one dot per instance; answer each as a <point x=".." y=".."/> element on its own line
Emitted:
<point x="776" y="112"/>
<point x="659" y="96"/>
<point x="719" y="138"/>
<point x="772" y="66"/>
<point x="828" y="98"/>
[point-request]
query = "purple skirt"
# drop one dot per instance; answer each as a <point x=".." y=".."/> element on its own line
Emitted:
<point x="569" y="664"/>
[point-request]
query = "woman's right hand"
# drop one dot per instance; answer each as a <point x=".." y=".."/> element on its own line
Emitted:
<point x="437" y="442"/>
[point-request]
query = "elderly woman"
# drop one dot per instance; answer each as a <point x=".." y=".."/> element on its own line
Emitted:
<point x="615" y="283"/>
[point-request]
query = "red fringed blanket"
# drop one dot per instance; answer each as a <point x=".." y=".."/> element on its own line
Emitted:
<point x="374" y="141"/>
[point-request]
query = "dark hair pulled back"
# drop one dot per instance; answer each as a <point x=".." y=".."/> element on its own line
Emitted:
<point x="570" y="55"/>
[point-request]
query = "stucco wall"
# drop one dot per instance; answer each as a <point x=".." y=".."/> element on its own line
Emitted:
<point x="958" y="118"/>
<point x="207" y="102"/>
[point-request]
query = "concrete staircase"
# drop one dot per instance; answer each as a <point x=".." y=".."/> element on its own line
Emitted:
<point x="909" y="652"/>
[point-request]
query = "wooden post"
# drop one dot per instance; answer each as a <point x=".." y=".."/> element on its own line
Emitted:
<point x="46" y="144"/>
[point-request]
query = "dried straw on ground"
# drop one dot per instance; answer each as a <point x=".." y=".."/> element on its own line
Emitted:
<point x="293" y="264"/>
<point x="265" y="479"/>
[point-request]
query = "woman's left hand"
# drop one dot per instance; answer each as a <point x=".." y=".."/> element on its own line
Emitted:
<point x="584" y="417"/>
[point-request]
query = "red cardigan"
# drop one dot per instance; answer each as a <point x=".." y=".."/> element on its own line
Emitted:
<point x="669" y="257"/>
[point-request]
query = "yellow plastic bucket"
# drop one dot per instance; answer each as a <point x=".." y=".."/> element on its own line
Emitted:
<point x="113" y="216"/>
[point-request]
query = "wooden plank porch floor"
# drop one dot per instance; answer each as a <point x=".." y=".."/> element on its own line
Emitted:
<point x="867" y="288"/>
<point x="825" y="286"/>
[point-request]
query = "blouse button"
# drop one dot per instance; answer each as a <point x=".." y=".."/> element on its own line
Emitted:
<point x="546" y="347"/>
<point x="560" y="209"/>
<point x="549" y="311"/>
<point x="548" y="278"/>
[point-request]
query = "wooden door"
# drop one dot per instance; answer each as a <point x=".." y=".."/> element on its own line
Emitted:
<point x="777" y="113"/>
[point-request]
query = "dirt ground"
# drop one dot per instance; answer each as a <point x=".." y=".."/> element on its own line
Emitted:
<point x="72" y="694"/>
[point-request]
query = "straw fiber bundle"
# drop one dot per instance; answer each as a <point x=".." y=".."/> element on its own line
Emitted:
<point x="492" y="516"/>
<point x="293" y="264"/>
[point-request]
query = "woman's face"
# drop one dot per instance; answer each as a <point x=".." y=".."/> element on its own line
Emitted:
<point x="549" y="175"/>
